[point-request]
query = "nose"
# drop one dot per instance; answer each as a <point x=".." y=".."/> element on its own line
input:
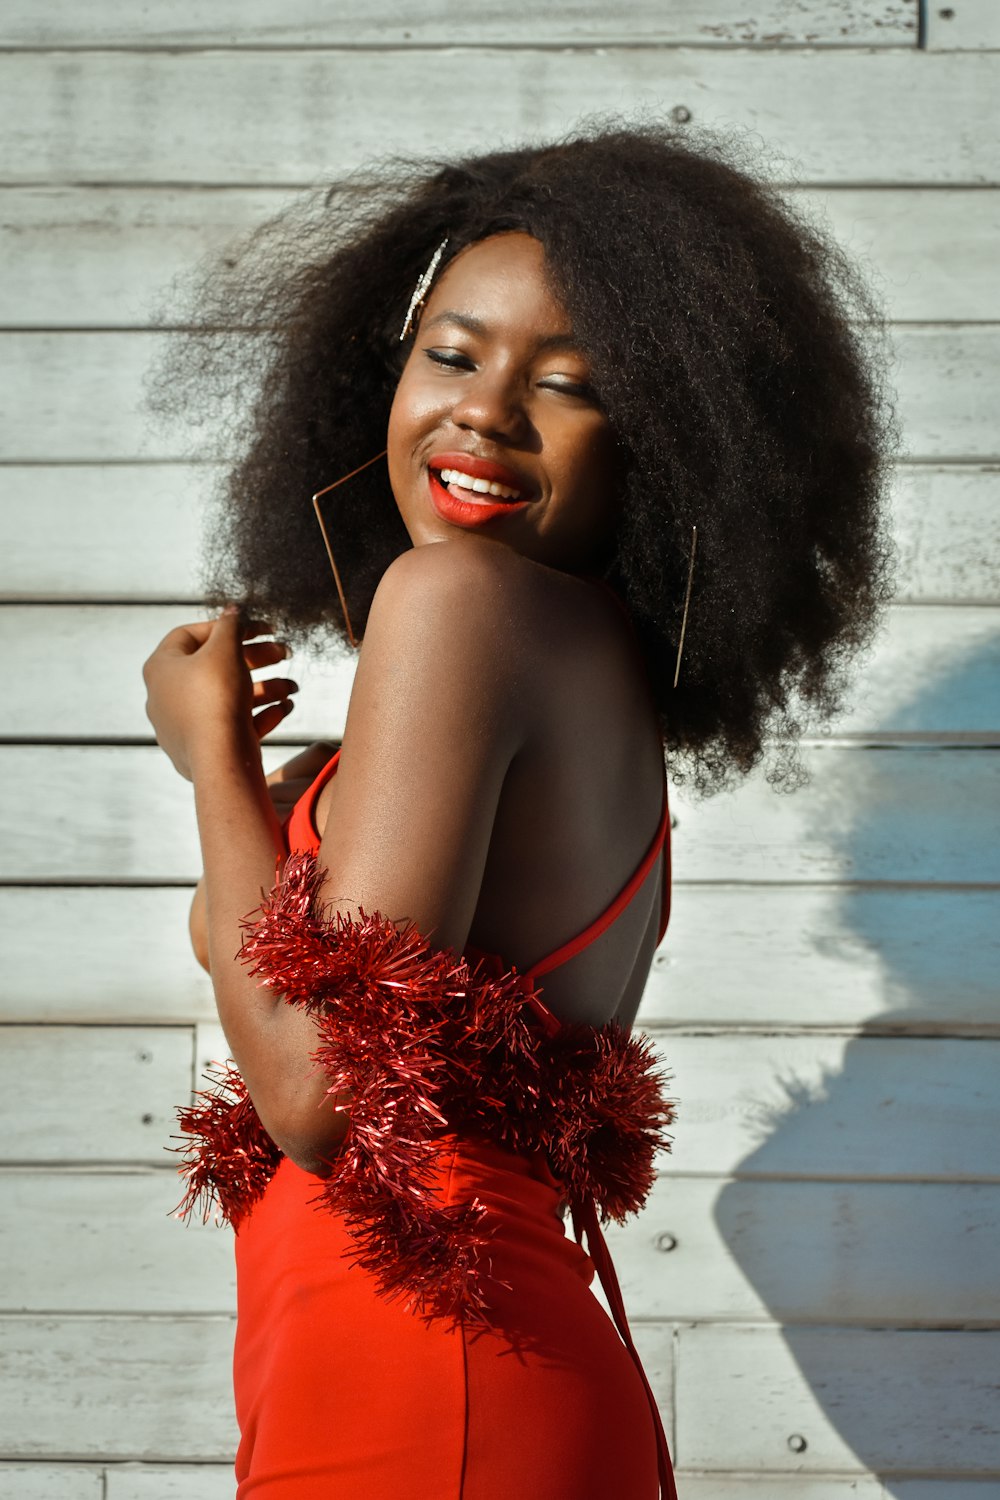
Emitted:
<point x="491" y="403"/>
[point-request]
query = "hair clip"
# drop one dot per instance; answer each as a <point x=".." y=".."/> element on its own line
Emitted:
<point x="421" y="289"/>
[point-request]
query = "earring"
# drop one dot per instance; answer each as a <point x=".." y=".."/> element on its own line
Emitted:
<point x="687" y="601"/>
<point x="326" y="538"/>
<point x="421" y="289"/>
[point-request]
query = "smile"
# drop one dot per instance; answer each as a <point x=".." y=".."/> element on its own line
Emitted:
<point x="463" y="505"/>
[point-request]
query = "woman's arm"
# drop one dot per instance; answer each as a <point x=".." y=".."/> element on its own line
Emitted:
<point x="436" y="716"/>
<point x="285" y="786"/>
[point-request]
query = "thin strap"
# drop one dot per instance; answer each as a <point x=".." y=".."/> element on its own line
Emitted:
<point x="300" y="827"/>
<point x="585" y="1220"/>
<point x="568" y="950"/>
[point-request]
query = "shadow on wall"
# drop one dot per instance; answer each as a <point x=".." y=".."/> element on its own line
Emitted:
<point x="894" y="1251"/>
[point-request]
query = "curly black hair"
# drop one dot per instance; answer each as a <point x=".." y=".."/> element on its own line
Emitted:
<point x="738" y="352"/>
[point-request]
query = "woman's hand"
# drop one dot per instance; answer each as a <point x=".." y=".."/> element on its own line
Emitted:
<point x="199" y="686"/>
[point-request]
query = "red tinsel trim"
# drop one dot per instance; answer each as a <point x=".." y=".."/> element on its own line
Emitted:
<point x="420" y="1040"/>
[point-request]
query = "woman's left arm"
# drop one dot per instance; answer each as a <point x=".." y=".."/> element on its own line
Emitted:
<point x="209" y="716"/>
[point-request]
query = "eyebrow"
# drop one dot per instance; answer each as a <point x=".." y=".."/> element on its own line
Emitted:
<point x="476" y="325"/>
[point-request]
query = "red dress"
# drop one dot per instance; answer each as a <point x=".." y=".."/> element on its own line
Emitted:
<point x="343" y="1394"/>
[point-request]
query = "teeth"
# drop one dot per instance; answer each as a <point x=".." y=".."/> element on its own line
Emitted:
<point x="479" y="486"/>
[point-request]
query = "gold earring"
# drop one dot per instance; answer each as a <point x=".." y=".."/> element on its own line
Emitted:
<point x="326" y="538"/>
<point x="687" y="601"/>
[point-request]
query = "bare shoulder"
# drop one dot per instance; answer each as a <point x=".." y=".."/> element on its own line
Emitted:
<point x="475" y="606"/>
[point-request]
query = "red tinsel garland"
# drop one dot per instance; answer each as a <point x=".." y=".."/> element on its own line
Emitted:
<point x="421" y="1040"/>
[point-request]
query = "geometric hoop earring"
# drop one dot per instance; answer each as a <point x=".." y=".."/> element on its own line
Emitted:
<point x="687" y="601"/>
<point x="326" y="538"/>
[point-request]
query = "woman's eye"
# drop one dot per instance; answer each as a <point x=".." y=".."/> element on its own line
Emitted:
<point x="571" y="388"/>
<point x="450" y="358"/>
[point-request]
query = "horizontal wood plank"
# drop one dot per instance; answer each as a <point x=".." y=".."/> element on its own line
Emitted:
<point x="811" y="1487"/>
<point x="41" y="1481"/>
<point x="105" y="256"/>
<point x="828" y="958"/>
<point x="77" y="397"/>
<point x="183" y="117"/>
<point x="88" y="1240"/>
<point x="869" y="1108"/>
<point x="945" y="520"/>
<point x="905" y="1254"/>
<point x="121" y="814"/>
<point x="97" y="1093"/>
<point x="122" y="956"/>
<point x="776" y="957"/>
<point x="934" y="671"/>
<point x="861" y="1400"/>
<point x="65" y="1384"/>
<point x="174" y="1482"/>
<point x="815" y="1107"/>
<point x="391" y="23"/>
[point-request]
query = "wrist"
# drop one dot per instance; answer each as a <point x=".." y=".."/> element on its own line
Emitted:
<point x="226" y="747"/>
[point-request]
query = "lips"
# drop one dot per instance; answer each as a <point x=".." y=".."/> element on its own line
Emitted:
<point x="485" y="469"/>
<point x="462" y="508"/>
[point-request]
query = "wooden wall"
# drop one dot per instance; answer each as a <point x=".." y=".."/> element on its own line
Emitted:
<point x="815" y="1280"/>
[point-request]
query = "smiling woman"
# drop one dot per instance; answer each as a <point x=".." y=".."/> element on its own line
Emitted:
<point x="607" y="342"/>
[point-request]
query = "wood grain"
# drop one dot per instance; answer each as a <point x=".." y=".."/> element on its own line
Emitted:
<point x="121" y="814"/>
<point x="705" y="1250"/>
<point x="105" y="257"/>
<point x="65" y="1384"/>
<point x="141" y="538"/>
<point x="862" y="1399"/>
<point x="867" y="1109"/>
<point x="78" y="397"/>
<point x="195" y="117"/>
<point x="934" y="671"/>
<point x="98" y="1094"/>
<point x="735" y="958"/>
<point x="390" y="23"/>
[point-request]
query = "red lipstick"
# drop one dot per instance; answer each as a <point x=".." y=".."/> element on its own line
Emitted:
<point x="474" y="511"/>
<point x="485" y="468"/>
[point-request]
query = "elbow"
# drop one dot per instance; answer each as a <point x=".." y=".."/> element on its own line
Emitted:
<point x="312" y="1140"/>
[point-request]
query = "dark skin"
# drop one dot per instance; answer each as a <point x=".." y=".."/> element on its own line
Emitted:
<point x="501" y="769"/>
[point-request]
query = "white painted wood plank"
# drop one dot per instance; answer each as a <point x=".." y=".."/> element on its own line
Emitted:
<point x="946" y="523"/>
<point x="947" y="382"/>
<point x="91" y="1093"/>
<point x="65" y="1384"/>
<point x="174" y="1482"/>
<point x="773" y="957"/>
<point x="51" y="1482"/>
<point x="969" y="24"/>
<point x="828" y="958"/>
<point x="934" y="670"/>
<point x="125" y="117"/>
<point x="77" y="397"/>
<point x="142" y="539"/>
<point x="107" y="814"/>
<point x="932" y="252"/>
<point x="871" y="1108"/>
<point x="122" y="956"/>
<point x="389" y="23"/>
<point x="862" y="1400"/>
<point x="819" y="1107"/>
<point x="100" y="257"/>
<point x="802" y="1487"/>
<point x="908" y="1254"/>
<point x="99" y="1241"/>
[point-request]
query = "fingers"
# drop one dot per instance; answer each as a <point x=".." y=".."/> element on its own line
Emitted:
<point x="273" y="690"/>
<point x="269" y="718"/>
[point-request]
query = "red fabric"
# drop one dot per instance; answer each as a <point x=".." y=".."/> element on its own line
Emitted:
<point x="340" y="1393"/>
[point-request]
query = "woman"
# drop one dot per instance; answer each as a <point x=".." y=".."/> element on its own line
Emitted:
<point x="627" y="388"/>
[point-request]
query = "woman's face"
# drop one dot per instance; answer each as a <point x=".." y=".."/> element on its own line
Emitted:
<point x="496" y="393"/>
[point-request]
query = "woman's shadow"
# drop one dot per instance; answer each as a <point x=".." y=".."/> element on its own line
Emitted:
<point x="873" y="1238"/>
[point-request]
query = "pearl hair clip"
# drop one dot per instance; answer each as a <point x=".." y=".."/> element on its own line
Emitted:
<point x="421" y="289"/>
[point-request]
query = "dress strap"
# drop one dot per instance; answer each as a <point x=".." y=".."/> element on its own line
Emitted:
<point x="585" y="1221"/>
